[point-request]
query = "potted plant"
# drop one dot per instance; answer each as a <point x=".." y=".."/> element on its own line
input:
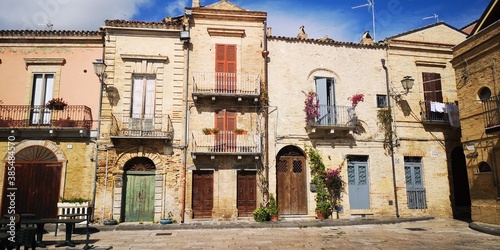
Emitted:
<point x="273" y="208"/>
<point x="56" y="104"/>
<point x="323" y="210"/>
<point x="210" y="131"/>
<point x="167" y="220"/>
<point x="261" y="214"/>
<point x="239" y="131"/>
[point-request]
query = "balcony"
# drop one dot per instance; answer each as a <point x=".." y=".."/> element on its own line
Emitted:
<point x="333" y="118"/>
<point x="491" y="114"/>
<point x="38" y="121"/>
<point x="137" y="126"/>
<point x="225" y="143"/>
<point x="439" y="113"/>
<point x="226" y="85"/>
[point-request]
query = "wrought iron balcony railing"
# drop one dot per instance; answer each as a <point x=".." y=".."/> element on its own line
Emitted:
<point x="491" y="114"/>
<point x="141" y="125"/>
<point x="27" y="116"/>
<point x="226" y="142"/>
<point x="335" y="116"/>
<point x="226" y="83"/>
<point x="436" y="112"/>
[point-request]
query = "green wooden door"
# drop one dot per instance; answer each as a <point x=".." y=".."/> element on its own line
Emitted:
<point x="139" y="196"/>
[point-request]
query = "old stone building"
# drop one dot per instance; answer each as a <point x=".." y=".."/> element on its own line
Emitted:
<point x="226" y="76"/>
<point x="477" y="77"/>
<point x="47" y="150"/>
<point x="138" y="177"/>
<point x="355" y="135"/>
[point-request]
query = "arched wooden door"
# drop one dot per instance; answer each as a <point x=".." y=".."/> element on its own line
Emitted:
<point x="36" y="185"/>
<point x="291" y="181"/>
<point x="139" y="193"/>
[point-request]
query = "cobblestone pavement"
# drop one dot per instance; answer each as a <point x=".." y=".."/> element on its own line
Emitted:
<point x="427" y="234"/>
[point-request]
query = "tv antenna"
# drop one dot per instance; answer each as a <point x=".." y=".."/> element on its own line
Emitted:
<point x="48" y="25"/>
<point x="370" y="4"/>
<point x="434" y="16"/>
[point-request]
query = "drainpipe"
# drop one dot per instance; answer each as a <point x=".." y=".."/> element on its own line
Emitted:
<point x="391" y="143"/>
<point x="266" y="114"/>
<point x="186" y="126"/>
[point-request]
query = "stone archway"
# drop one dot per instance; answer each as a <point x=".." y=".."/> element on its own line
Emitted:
<point x="291" y="181"/>
<point x="461" y="193"/>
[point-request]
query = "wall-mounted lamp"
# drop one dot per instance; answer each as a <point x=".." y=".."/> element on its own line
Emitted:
<point x="184" y="36"/>
<point x="99" y="68"/>
<point x="407" y="83"/>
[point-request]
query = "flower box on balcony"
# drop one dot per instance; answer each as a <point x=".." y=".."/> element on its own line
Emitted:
<point x="211" y="131"/>
<point x="56" y="104"/>
<point x="239" y="131"/>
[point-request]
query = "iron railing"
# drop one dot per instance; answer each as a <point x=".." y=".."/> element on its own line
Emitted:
<point x="226" y="83"/>
<point x="491" y="109"/>
<point x="335" y="116"/>
<point x="226" y="142"/>
<point x="28" y="116"/>
<point x="142" y="125"/>
<point x="436" y="112"/>
<point x="416" y="198"/>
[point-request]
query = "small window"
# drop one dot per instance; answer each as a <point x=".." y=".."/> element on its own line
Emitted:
<point x="484" y="93"/>
<point x="484" y="167"/>
<point x="381" y="101"/>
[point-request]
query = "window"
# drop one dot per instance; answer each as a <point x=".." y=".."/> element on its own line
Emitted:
<point x="43" y="89"/>
<point x="484" y="167"/>
<point x="325" y="89"/>
<point x="381" y="101"/>
<point x="225" y="121"/>
<point x="225" y="67"/>
<point x="143" y="102"/>
<point x="484" y="93"/>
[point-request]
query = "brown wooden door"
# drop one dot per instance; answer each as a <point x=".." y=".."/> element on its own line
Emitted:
<point x="247" y="197"/>
<point x="37" y="189"/>
<point x="225" y="121"/>
<point x="291" y="178"/>
<point x="203" y="196"/>
<point x="225" y="67"/>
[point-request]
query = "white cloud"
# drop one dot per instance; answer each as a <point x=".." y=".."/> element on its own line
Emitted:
<point x="65" y="14"/>
<point x="176" y="7"/>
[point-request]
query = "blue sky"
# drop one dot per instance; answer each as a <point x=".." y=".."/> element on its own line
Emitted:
<point x="333" y="18"/>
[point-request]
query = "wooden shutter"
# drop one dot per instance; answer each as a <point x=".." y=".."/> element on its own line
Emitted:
<point x="225" y="120"/>
<point x="432" y="87"/>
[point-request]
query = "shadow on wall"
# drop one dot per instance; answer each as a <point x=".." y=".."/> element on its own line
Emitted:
<point x="113" y="95"/>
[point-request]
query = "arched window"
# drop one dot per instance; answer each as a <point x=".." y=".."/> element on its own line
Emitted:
<point x="484" y="93"/>
<point x="484" y="167"/>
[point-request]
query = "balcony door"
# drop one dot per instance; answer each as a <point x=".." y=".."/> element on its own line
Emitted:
<point x="43" y="89"/>
<point x="325" y="89"/>
<point x="143" y="103"/>
<point x="225" y="121"/>
<point x="433" y="96"/>
<point x="225" y="68"/>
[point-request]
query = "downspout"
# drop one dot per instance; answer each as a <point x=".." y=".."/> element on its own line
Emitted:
<point x="391" y="143"/>
<point x="186" y="127"/>
<point x="266" y="114"/>
<point x="101" y="82"/>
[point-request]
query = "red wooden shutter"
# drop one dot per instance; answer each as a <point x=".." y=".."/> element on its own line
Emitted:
<point x="432" y="87"/>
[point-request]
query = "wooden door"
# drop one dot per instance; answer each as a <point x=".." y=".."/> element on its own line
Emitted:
<point x="37" y="191"/>
<point x="225" y="68"/>
<point x="139" y="196"/>
<point x="291" y="178"/>
<point x="247" y="197"/>
<point x="203" y="196"/>
<point x="225" y="121"/>
<point x="359" y="192"/>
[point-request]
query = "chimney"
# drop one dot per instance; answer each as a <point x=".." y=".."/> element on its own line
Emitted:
<point x="367" y="39"/>
<point x="269" y="31"/>
<point x="196" y="3"/>
<point x="302" y="33"/>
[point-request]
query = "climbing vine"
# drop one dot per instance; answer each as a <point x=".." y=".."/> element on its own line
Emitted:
<point x="385" y="123"/>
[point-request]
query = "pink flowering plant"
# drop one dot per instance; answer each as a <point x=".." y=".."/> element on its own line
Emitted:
<point x="311" y="106"/>
<point x="335" y="185"/>
<point x="357" y="98"/>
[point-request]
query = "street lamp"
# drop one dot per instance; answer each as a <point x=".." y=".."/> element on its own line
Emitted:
<point x="99" y="67"/>
<point x="407" y="83"/>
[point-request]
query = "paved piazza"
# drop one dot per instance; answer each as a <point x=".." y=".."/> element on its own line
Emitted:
<point x="431" y="234"/>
